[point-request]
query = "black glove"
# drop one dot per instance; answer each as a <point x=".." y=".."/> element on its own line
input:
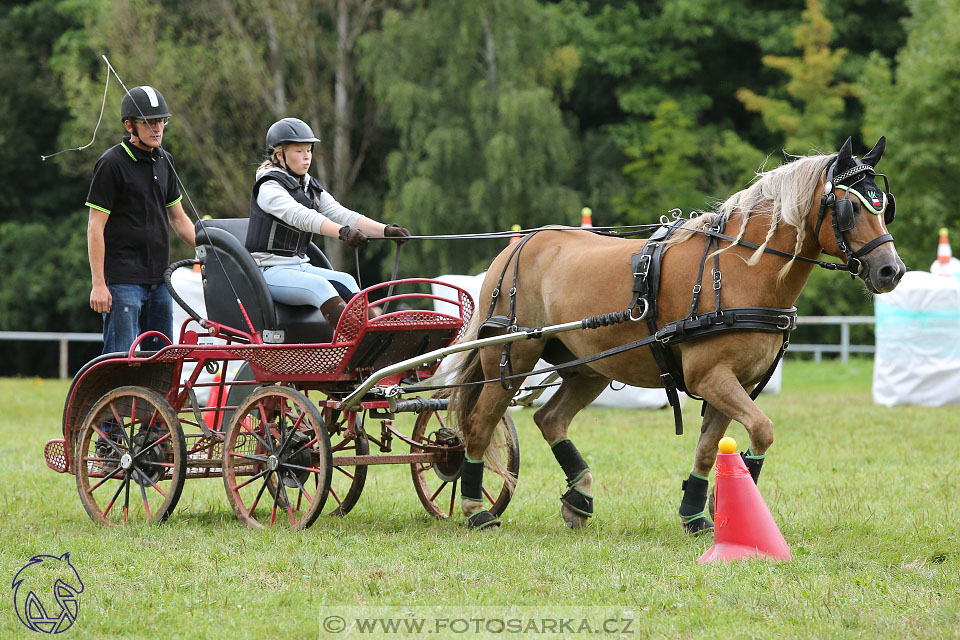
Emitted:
<point x="353" y="237"/>
<point x="395" y="231"/>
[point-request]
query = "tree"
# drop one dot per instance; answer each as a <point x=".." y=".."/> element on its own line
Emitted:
<point x="228" y="70"/>
<point x="471" y="90"/>
<point x="656" y="80"/>
<point x="914" y="105"/>
<point x="810" y="117"/>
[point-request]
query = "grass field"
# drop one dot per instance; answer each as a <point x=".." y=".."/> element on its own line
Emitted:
<point x="865" y="496"/>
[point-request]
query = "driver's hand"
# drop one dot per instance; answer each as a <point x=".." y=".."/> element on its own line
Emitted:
<point x="396" y="232"/>
<point x="353" y="237"/>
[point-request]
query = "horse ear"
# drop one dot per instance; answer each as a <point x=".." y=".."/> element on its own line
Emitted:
<point x="66" y="557"/>
<point x="843" y="156"/>
<point x="872" y="157"/>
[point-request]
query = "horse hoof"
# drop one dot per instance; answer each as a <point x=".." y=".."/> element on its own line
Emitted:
<point x="698" y="527"/>
<point x="483" y="521"/>
<point x="571" y="518"/>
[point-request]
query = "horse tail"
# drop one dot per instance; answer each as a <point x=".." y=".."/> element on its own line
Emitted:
<point x="467" y="370"/>
<point x="464" y="393"/>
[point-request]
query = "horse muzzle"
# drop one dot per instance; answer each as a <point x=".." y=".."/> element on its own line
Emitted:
<point x="884" y="276"/>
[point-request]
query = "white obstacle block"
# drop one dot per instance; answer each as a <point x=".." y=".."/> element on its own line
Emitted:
<point x="917" y="359"/>
<point x="189" y="286"/>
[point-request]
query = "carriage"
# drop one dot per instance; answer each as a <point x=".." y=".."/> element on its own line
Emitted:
<point x="254" y="393"/>
<point x="598" y="307"/>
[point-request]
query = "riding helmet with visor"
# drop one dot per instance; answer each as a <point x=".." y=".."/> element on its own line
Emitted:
<point x="287" y="131"/>
<point x="143" y="103"/>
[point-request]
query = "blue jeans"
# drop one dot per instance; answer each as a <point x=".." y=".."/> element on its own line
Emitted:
<point x="137" y="308"/>
<point x="305" y="284"/>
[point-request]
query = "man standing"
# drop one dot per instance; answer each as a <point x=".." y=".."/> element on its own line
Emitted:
<point x="133" y="195"/>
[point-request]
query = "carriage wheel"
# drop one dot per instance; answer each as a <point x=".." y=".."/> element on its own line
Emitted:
<point x="347" y="482"/>
<point x="436" y="482"/>
<point x="130" y="458"/>
<point x="276" y="460"/>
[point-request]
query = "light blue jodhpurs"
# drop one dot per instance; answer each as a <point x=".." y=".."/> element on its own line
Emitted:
<point x="300" y="284"/>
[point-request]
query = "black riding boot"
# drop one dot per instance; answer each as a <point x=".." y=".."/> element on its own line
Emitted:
<point x="332" y="309"/>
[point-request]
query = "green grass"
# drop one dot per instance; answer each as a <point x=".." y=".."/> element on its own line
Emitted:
<point x="865" y="496"/>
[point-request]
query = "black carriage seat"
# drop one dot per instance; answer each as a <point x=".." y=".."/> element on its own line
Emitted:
<point x="223" y="254"/>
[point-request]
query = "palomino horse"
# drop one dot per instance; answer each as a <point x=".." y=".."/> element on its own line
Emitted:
<point x="781" y="223"/>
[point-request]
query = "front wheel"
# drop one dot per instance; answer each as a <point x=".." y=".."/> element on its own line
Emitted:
<point x="436" y="481"/>
<point x="130" y="458"/>
<point x="277" y="462"/>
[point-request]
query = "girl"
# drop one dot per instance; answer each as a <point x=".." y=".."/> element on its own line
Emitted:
<point x="286" y="208"/>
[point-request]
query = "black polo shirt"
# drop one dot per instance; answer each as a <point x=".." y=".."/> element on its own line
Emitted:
<point x="134" y="187"/>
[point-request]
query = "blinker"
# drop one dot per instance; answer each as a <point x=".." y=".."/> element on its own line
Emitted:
<point x="844" y="212"/>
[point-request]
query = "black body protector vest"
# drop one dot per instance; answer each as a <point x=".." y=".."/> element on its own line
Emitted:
<point x="270" y="234"/>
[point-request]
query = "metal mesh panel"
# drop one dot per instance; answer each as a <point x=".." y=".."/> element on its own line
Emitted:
<point x="424" y="319"/>
<point x="55" y="453"/>
<point x="293" y="360"/>
<point x="351" y="321"/>
<point x="467" y="313"/>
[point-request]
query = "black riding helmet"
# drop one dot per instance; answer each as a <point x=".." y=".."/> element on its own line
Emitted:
<point x="289" y="130"/>
<point x="143" y="102"/>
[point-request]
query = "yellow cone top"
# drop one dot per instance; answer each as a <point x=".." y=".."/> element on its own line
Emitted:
<point x="727" y="445"/>
<point x="943" y="231"/>
<point x="516" y="227"/>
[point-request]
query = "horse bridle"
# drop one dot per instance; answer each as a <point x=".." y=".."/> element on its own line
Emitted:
<point x="842" y="214"/>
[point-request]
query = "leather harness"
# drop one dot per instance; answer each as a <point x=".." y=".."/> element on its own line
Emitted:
<point x="645" y="267"/>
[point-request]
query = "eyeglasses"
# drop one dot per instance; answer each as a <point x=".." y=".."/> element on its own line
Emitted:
<point x="152" y="122"/>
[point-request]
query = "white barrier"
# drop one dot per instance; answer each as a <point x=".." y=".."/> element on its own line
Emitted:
<point x="917" y="360"/>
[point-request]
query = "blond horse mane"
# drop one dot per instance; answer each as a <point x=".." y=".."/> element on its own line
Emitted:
<point x="785" y="194"/>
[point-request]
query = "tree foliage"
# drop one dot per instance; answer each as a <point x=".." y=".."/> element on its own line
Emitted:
<point x="458" y="117"/>
<point x="470" y="89"/>
<point x="810" y="115"/>
<point x="915" y="106"/>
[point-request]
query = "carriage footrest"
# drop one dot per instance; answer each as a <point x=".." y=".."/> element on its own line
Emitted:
<point x="55" y="453"/>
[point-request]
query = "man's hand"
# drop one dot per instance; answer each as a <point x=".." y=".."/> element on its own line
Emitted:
<point x="353" y="237"/>
<point x="395" y="231"/>
<point x="100" y="299"/>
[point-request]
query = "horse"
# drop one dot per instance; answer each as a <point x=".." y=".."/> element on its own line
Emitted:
<point x="563" y="274"/>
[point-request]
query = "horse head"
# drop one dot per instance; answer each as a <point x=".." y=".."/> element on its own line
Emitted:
<point x="859" y="212"/>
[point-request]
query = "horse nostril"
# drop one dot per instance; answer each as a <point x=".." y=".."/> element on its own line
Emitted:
<point x="890" y="273"/>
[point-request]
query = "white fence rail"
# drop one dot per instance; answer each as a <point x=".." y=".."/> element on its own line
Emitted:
<point x="844" y="348"/>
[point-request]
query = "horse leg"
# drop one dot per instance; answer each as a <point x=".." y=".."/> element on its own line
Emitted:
<point x="554" y="419"/>
<point x="478" y="431"/>
<point x="726" y="400"/>
<point x="693" y="512"/>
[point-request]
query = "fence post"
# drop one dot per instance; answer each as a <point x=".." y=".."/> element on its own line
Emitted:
<point x="844" y="341"/>
<point x="64" y="357"/>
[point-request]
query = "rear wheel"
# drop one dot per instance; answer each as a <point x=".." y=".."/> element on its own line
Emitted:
<point x="436" y="482"/>
<point x="130" y="458"/>
<point x="276" y="460"/>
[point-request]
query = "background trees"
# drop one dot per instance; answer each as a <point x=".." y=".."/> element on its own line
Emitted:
<point x="456" y="117"/>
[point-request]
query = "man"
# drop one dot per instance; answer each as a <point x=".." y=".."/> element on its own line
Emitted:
<point x="133" y="195"/>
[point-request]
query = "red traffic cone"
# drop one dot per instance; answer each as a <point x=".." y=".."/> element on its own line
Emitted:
<point x="516" y="236"/>
<point x="586" y="217"/>
<point x="209" y="417"/>
<point x="743" y="524"/>
<point x="943" y="251"/>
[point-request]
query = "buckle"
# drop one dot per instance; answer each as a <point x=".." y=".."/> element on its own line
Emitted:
<point x="643" y="314"/>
